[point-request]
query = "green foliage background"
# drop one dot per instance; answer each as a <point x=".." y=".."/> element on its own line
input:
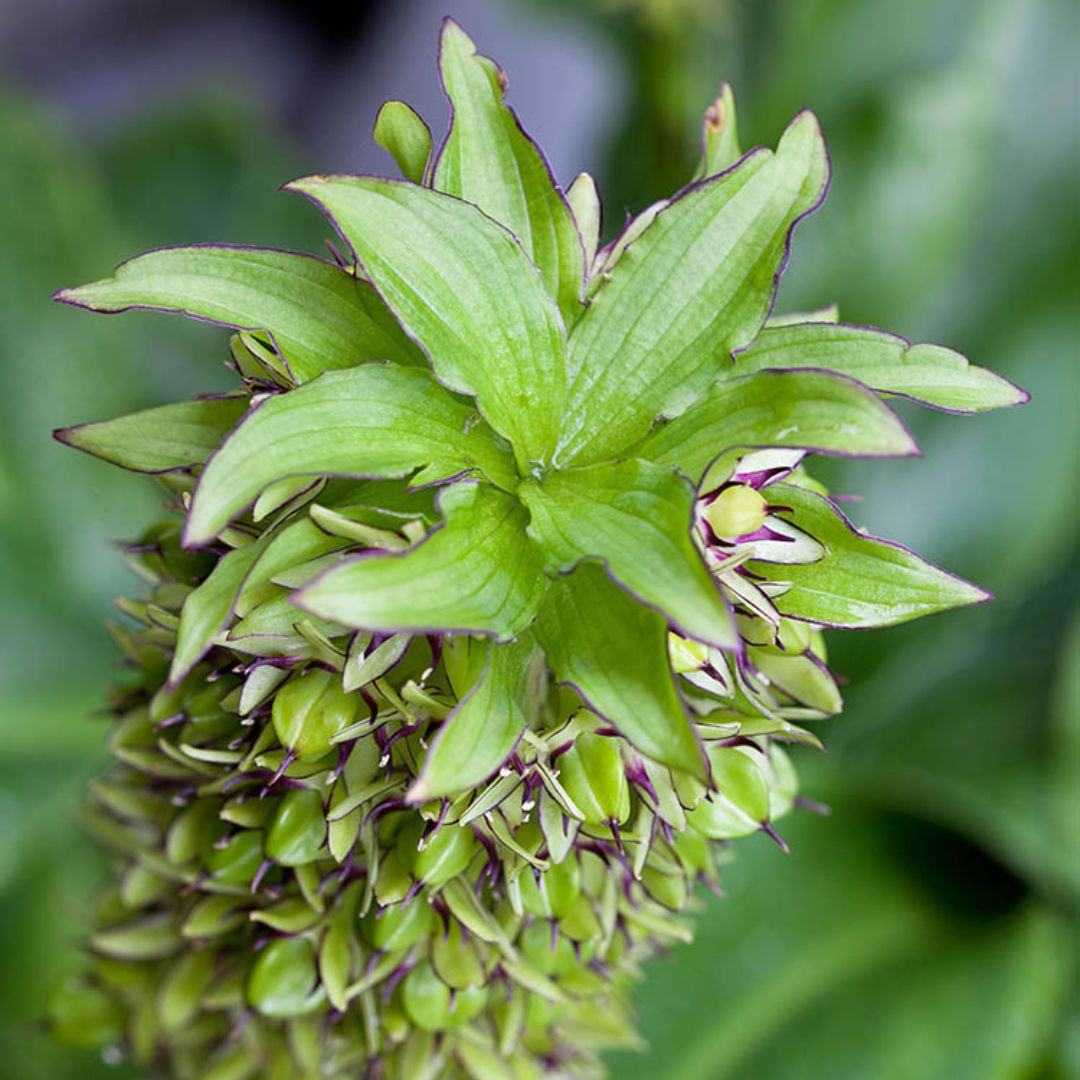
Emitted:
<point x="927" y="929"/>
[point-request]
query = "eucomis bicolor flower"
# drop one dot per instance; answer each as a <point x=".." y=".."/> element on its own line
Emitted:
<point x="492" y="596"/>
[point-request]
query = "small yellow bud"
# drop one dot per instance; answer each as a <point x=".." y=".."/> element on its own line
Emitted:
<point x="736" y="511"/>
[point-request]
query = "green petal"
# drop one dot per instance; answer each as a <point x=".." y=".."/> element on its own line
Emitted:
<point x="477" y="737"/>
<point x="401" y="132"/>
<point x="635" y="517"/>
<point x="613" y="651"/>
<point x="862" y="581"/>
<point x="487" y="159"/>
<point x="696" y="285"/>
<point x="929" y="374"/>
<point x="162" y="439"/>
<point x="373" y="420"/>
<point x="813" y="410"/>
<point x="477" y="573"/>
<point x="318" y="316"/>
<point x="463" y="288"/>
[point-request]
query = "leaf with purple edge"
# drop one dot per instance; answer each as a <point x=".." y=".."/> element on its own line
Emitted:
<point x="464" y="289"/>
<point x="695" y="286"/>
<point x="862" y="581"/>
<point x="478" y="736"/>
<point x="613" y="651"/>
<point x="159" y="440"/>
<point x="318" y="316"/>
<point x="373" y="420"/>
<point x="402" y="133"/>
<point x="812" y="410"/>
<point x="487" y="159"/>
<point x="475" y="573"/>
<point x="635" y="517"/>
<point x="929" y="374"/>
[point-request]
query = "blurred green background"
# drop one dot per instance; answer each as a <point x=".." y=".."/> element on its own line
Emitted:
<point x="927" y="928"/>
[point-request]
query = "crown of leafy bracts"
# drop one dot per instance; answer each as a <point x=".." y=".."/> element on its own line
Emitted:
<point x="547" y="463"/>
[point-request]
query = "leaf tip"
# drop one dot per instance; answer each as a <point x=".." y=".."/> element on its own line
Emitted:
<point x="67" y="435"/>
<point x="420" y="791"/>
<point x="306" y="185"/>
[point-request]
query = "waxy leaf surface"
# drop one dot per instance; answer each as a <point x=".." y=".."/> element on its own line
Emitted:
<point x="929" y="374"/>
<point x="476" y="573"/>
<point x="696" y="285"/>
<point x="463" y="288"/>
<point x="614" y="652"/>
<point x="162" y="439"/>
<point x="812" y="410"/>
<point x="477" y="737"/>
<point x="373" y="420"/>
<point x="318" y="316"/>
<point x="487" y="159"/>
<point x="635" y="517"/>
<point x="862" y="581"/>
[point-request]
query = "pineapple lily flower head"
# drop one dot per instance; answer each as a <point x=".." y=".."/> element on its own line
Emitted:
<point x="499" y="589"/>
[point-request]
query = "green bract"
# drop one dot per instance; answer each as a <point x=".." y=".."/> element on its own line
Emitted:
<point x="498" y="590"/>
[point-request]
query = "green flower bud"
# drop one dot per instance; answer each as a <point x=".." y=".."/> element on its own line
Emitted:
<point x="426" y="998"/>
<point x="309" y="710"/>
<point x="444" y="855"/>
<point x="736" y="511"/>
<point x="179" y="997"/>
<point x="592" y="773"/>
<point x="237" y="859"/>
<point x="740" y="805"/>
<point x="457" y="960"/>
<point x="399" y="927"/>
<point x="298" y="829"/>
<point x="283" y="980"/>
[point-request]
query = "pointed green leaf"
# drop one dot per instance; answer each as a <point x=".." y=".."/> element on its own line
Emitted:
<point x="696" y="285"/>
<point x="477" y="737"/>
<point x="475" y="573"/>
<point x="584" y="200"/>
<point x="928" y="374"/>
<point x="487" y="159"/>
<point x="318" y="316"/>
<point x="635" y="517"/>
<point x="162" y="439"/>
<point x="719" y="135"/>
<point x="464" y="289"/>
<point x="402" y="133"/>
<point x="862" y="581"/>
<point x="812" y="410"/>
<point x="613" y="651"/>
<point x="295" y="544"/>
<point x="206" y="611"/>
<point x="373" y="420"/>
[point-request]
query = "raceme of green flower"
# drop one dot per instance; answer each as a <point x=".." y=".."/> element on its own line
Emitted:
<point x="538" y="508"/>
